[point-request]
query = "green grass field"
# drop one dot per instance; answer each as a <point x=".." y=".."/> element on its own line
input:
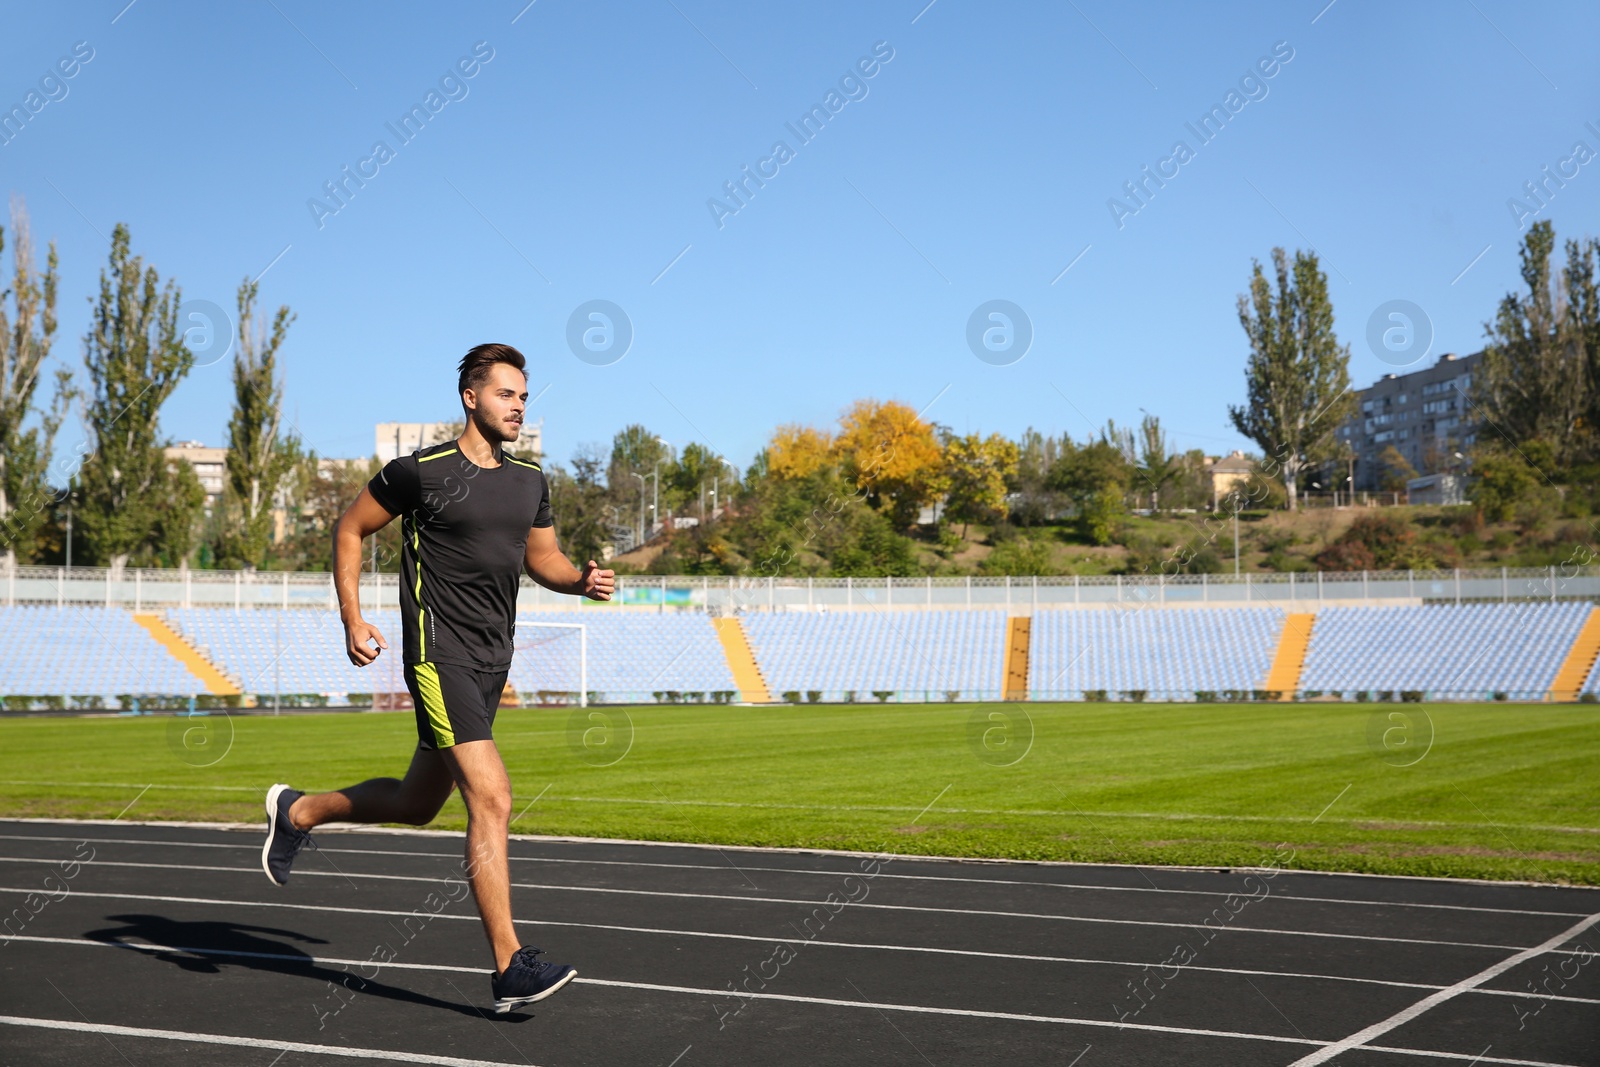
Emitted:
<point x="1502" y="791"/>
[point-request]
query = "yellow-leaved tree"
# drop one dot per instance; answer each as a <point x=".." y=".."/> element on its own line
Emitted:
<point x="891" y="456"/>
<point x="797" y="451"/>
<point x="976" y="470"/>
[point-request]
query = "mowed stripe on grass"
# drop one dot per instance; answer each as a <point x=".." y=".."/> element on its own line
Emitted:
<point x="1501" y="792"/>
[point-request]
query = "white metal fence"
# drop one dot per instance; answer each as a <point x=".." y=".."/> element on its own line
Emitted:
<point x="153" y="589"/>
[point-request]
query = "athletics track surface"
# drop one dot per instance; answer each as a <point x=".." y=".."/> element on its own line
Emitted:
<point x="149" y="943"/>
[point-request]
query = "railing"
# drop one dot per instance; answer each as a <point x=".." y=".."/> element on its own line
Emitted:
<point x="144" y="589"/>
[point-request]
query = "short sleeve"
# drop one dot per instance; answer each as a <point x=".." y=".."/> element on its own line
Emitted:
<point x="398" y="486"/>
<point x="542" y="518"/>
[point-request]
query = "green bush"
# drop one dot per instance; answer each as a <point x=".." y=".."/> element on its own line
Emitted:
<point x="1019" y="557"/>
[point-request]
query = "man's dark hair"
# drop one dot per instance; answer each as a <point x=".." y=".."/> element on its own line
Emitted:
<point x="475" y="364"/>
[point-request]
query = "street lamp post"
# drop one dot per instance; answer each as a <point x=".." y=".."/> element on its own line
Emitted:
<point x="655" y="496"/>
<point x="655" y="489"/>
<point x="639" y="476"/>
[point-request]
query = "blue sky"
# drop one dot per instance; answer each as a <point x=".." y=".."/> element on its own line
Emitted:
<point x="576" y="164"/>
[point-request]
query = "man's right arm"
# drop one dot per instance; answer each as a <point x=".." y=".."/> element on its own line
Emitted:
<point x="361" y="520"/>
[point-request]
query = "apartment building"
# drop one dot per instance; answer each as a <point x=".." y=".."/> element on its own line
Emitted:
<point x="1425" y="415"/>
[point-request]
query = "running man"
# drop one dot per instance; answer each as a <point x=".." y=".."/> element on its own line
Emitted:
<point x="473" y="517"/>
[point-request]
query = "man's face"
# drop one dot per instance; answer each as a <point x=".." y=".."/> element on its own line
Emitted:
<point x="496" y="406"/>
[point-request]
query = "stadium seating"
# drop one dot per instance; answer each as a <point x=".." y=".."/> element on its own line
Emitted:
<point x="632" y="655"/>
<point x="629" y="653"/>
<point x="915" y="654"/>
<point x="1471" y="651"/>
<point x="289" y="650"/>
<point x="85" y="651"/>
<point x="1458" y="652"/>
<point x="1165" y="654"/>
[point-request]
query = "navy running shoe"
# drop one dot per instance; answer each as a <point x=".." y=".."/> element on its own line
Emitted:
<point x="528" y="979"/>
<point x="284" y="840"/>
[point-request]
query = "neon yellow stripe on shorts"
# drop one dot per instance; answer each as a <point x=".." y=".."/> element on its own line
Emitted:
<point x="433" y="703"/>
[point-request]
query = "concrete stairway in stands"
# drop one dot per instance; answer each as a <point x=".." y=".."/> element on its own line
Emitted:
<point x="1019" y="630"/>
<point x="1290" y="658"/>
<point x="741" y="661"/>
<point x="1579" y="662"/>
<point x="213" y="679"/>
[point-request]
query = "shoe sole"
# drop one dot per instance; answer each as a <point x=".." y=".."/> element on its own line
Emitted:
<point x="272" y="832"/>
<point x="504" y="1005"/>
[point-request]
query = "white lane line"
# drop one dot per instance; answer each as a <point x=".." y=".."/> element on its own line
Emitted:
<point x="1399" y="1018"/>
<point x="1087" y="886"/>
<point x="690" y="991"/>
<point x="832" y="944"/>
<point x="969" y="1013"/>
<point x="719" y="936"/>
<point x="1059" y="1020"/>
<point x="251" y="1042"/>
<point x="921" y="909"/>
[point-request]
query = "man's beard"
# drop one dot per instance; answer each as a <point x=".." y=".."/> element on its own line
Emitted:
<point x="492" y="432"/>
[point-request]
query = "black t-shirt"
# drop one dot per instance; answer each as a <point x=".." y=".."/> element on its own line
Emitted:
<point x="465" y="533"/>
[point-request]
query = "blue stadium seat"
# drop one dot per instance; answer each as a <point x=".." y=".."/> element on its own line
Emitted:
<point x="916" y="654"/>
<point x="1166" y="653"/>
<point x="1446" y="651"/>
<point x="290" y="650"/>
<point x="85" y="651"/>
<point x="632" y="655"/>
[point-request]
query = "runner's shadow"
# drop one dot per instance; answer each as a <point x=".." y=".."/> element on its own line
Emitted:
<point x="202" y="947"/>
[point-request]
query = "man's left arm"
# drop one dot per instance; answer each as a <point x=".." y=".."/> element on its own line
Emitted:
<point x="547" y="565"/>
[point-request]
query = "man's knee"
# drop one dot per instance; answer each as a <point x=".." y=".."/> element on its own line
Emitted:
<point x="494" y="804"/>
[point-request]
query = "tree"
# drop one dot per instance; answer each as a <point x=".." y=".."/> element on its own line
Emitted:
<point x="698" y="471"/>
<point x="1395" y="470"/>
<point x="868" y="546"/>
<point x="892" y="457"/>
<point x="1095" y="478"/>
<point x="977" y="470"/>
<point x="798" y="451"/>
<point x="1190" y="485"/>
<point x="1157" y="466"/>
<point x="1540" y="377"/>
<point x="260" y="455"/>
<point x="1036" y="502"/>
<point x="322" y="490"/>
<point x="25" y="338"/>
<point x="635" y="449"/>
<point x="1298" y="375"/>
<point x="1511" y="484"/>
<point x="582" y="505"/>
<point x="136" y="356"/>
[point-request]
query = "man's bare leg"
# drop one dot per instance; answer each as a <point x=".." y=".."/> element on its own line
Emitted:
<point x="414" y="800"/>
<point x="481" y="776"/>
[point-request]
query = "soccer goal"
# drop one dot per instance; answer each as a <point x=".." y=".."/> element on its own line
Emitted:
<point x="553" y="655"/>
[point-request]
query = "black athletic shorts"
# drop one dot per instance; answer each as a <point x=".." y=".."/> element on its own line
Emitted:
<point x="453" y="704"/>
